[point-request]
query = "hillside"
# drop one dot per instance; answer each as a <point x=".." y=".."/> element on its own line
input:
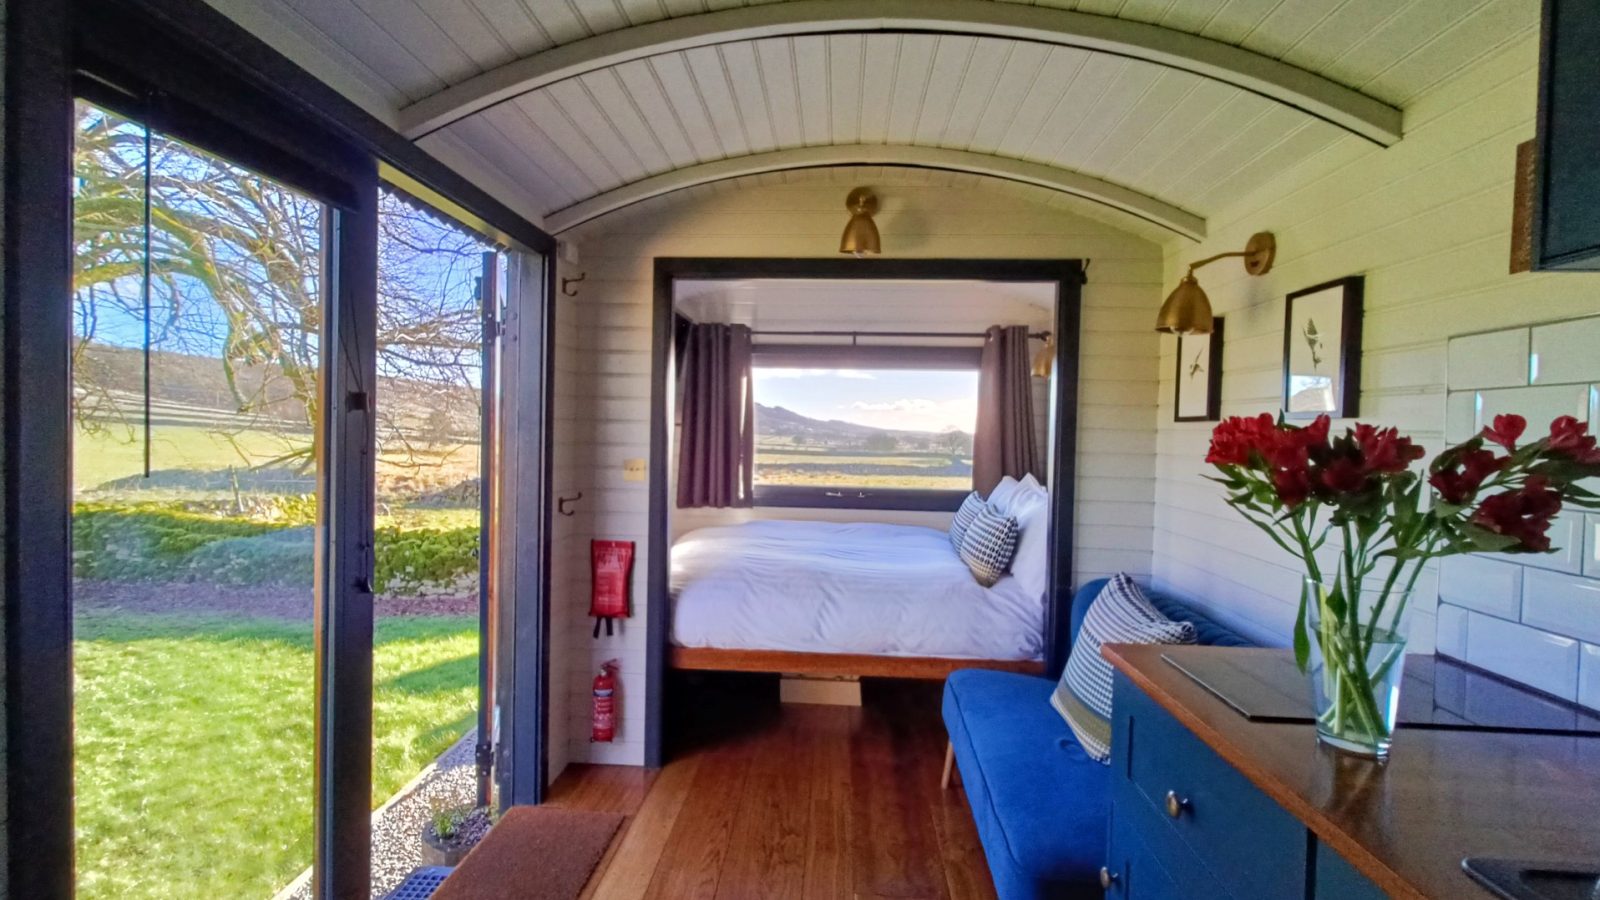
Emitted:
<point x="780" y="422"/>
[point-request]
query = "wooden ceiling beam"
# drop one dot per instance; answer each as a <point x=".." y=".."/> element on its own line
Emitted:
<point x="1130" y="202"/>
<point x="1314" y="94"/>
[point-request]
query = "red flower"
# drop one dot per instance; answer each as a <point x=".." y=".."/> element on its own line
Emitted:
<point x="1460" y="482"/>
<point x="1293" y="485"/>
<point x="1523" y="514"/>
<point x="1236" y="438"/>
<point x="1505" y="430"/>
<point x="1571" y="438"/>
<point x="1384" y="450"/>
<point x="1343" y="476"/>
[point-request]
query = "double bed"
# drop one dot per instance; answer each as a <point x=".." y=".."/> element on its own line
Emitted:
<point x="823" y="598"/>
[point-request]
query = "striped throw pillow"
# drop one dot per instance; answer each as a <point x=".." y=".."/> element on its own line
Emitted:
<point x="988" y="545"/>
<point x="1120" y="615"/>
<point x="969" y="510"/>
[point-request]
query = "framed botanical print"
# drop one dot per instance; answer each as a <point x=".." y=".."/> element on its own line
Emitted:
<point x="1197" y="396"/>
<point x="1322" y="350"/>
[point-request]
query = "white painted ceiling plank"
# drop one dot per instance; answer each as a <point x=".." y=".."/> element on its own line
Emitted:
<point x="519" y="127"/>
<point x="977" y="89"/>
<point x="712" y="82"/>
<point x="287" y="31"/>
<point x="671" y="70"/>
<point x="1343" y="29"/>
<point x="1491" y="27"/>
<point x="1177" y="133"/>
<point x="1111" y="121"/>
<point x="511" y="159"/>
<point x="744" y="74"/>
<point x="590" y="118"/>
<point x="1016" y="79"/>
<point x="469" y="31"/>
<point x="514" y="25"/>
<point x="645" y="94"/>
<point x="1395" y="37"/>
<point x="910" y="86"/>
<point x="541" y="107"/>
<point x="639" y="12"/>
<point x="1218" y="126"/>
<point x="1151" y="119"/>
<point x="1209" y="168"/>
<point x="951" y="56"/>
<point x="810" y="54"/>
<point x="412" y="27"/>
<point x="626" y="120"/>
<point x="559" y="20"/>
<point x="776" y="63"/>
<point x="353" y="29"/>
<point x="472" y="166"/>
<point x="1061" y="72"/>
<point x="1287" y="25"/>
<point x="880" y="58"/>
<point x="1088" y="110"/>
<point x="1233" y="23"/>
<point x="845" y="59"/>
<point x="599" y="16"/>
<point x="1191" y="16"/>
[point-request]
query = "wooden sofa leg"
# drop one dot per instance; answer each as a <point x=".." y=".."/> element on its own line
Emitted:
<point x="949" y="765"/>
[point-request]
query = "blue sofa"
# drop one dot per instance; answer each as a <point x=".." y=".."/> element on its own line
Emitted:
<point x="1039" y="802"/>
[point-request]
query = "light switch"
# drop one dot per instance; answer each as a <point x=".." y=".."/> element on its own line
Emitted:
<point x="633" y="470"/>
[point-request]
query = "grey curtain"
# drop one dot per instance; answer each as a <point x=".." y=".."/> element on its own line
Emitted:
<point x="716" y="418"/>
<point x="1005" y="442"/>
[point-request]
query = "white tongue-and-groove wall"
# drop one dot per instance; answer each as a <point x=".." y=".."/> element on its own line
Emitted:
<point x="605" y="369"/>
<point x="1427" y="222"/>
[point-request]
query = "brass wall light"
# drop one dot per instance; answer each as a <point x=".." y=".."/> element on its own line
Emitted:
<point x="1044" y="361"/>
<point x="860" y="234"/>
<point x="1188" y="309"/>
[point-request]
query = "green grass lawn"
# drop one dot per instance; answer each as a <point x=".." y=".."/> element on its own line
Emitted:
<point x="194" y="741"/>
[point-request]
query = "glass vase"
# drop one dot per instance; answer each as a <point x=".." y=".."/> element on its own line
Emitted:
<point x="1356" y="663"/>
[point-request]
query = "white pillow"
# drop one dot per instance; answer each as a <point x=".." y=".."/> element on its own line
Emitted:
<point x="1029" y="565"/>
<point x="1028" y="481"/>
<point x="1000" y="497"/>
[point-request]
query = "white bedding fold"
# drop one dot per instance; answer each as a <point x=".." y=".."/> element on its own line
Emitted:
<point x="824" y="587"/>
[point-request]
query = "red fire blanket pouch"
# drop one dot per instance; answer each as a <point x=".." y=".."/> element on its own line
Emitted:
<point x="612" y="562"/>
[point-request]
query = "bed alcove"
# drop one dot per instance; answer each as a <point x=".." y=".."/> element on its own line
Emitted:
<point x="1066" y="277"/>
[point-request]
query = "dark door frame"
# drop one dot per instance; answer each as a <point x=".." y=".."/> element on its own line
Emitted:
<point x="1067" y="275"/>
<point x="188" y="69"/>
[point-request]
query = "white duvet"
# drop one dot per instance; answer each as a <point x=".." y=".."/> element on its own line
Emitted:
<point x="822" y="587"/>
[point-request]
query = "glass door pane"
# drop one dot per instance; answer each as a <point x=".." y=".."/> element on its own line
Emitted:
<point x="196" y="386"/>
<point x="434" y="278"/>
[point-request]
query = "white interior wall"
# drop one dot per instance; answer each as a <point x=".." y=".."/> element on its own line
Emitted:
<point x="1428" y="223"/>
<point x="954" y="307"/>
<point x="569" y="575"/>
<point x="925" y="214"/>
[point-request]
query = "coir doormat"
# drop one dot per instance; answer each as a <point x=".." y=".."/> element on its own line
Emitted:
<point x="533" y="853"/>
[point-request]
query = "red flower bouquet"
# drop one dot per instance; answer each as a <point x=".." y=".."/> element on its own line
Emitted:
<point x="1302" y="486"/>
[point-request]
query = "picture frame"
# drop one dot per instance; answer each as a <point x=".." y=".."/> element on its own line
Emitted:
<point x="1322" y="350"/>
<point x="1197" y="390"/>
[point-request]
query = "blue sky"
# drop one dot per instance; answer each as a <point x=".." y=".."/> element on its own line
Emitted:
<point x="906" y="400"/>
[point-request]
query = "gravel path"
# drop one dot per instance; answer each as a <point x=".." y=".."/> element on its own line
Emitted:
<point x="396" y="828"/>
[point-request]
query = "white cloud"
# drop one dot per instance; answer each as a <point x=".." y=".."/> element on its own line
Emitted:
<point x="813" y="373"/>
<point x="915" y="413"/>
<point x="905" y="405"/>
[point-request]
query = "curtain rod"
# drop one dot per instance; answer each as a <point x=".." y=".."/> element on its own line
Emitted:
<point x="1032" y="335"/>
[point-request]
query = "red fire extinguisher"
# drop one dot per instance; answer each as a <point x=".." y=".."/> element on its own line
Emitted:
<point x="604" y="727"/>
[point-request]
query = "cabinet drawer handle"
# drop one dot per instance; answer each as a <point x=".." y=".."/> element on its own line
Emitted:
<point x="1107" y="878"/>
<point x="1175" y="804"/>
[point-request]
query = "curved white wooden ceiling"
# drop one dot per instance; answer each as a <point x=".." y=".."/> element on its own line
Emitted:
<point x="1162" y="109"/>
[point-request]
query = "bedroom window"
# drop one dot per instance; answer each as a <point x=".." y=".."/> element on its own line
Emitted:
<point x="864" y="427"/>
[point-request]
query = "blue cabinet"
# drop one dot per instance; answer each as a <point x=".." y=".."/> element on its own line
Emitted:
<point x="1186" y="824"/>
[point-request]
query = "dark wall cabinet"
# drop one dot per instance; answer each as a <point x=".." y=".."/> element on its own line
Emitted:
<point x="1566" y="220"/>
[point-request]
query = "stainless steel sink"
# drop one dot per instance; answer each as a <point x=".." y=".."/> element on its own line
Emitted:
<point x="1527" y="880"/>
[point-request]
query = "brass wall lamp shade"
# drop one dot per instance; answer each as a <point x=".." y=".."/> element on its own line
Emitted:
<point x="860" y="233"/>
<point x="1188" y="309"/>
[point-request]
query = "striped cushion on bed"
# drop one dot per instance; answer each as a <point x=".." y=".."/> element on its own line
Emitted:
<point x="1120" y="615"/>
<point x="969" y="510"/>
<point x="988" y="545"/>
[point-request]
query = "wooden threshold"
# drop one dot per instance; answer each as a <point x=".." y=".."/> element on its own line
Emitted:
<point x="933" y="668"/>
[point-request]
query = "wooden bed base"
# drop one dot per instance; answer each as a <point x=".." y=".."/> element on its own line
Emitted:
<point x="834" y="665"/>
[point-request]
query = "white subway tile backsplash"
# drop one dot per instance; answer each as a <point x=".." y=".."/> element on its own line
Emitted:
<point x="1566" y="352"/>
<point x="1494" y="360"/>
<point x="1565" y="604"/>
<point x="1591" y="547"/>
<point x="1451" y="637"/>
<point x="1539" y="405"/>
<point x="1589" y="677"/>
<point x="1460" y="416"/>
<point x="1544" y="661"/>
<point x="1483" y="584"/>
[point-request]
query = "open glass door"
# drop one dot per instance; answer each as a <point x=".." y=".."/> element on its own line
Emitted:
<point x="197" y="388"/>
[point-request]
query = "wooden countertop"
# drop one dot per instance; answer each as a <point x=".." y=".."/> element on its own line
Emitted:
<point x="1405" y="824"/>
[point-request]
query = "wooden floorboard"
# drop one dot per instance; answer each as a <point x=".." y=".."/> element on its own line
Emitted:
<point x="796" y="801"/>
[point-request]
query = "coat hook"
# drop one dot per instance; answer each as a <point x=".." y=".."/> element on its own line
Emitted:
<point x="566" y="282"/>
<point x="561" y="504"/>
